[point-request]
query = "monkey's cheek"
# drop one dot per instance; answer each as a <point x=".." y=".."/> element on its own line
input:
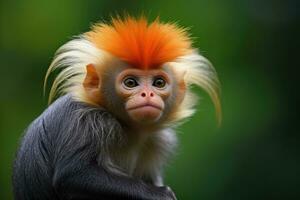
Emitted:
<point x="146" y="114"/>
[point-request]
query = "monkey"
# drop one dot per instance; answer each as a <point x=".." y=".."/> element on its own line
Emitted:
<point x="121" y="90"/>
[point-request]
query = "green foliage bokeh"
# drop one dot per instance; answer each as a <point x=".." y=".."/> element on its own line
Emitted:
<point x="255" y="152"/>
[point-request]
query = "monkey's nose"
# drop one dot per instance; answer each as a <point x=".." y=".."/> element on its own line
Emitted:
<point x="145" y="94"/>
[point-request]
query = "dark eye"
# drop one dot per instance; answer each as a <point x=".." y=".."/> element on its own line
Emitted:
<point x="159" y="82"/>
<point x="130" y="82"/>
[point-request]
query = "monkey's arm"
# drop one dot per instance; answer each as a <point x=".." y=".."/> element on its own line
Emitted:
<point x="83" y="180"/>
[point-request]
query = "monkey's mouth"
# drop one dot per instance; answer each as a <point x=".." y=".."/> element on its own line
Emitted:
<point x="146" y="105"/>
<point x="145" y="112"/>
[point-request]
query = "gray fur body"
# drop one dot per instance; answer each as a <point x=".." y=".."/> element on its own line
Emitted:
<point x="71" y="139"/>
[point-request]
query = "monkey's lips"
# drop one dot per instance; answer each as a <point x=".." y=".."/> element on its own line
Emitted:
<point x="145" y="106"/>
<point x="145" y="112"/>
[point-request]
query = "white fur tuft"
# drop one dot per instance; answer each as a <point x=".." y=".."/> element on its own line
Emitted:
<point x="198" y="71"/>
<point x="71" y="59"/>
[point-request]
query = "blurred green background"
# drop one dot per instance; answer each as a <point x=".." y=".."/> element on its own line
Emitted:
<point x="255" y="154"/>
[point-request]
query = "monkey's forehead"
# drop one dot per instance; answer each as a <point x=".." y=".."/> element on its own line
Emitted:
<point x="112" y="65"/>
<point x="141" y="43"/>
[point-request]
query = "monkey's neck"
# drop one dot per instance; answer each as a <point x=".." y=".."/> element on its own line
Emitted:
<point x="142" y="129"/>
<point x="137" y="136"/>
<point x="145" y="153"/>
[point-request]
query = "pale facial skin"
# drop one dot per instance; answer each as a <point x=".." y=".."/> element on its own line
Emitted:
<point x="139" y="98"/>
<point x="144" y="93"/>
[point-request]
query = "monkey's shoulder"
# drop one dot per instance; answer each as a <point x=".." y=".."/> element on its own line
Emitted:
<point x="65" y="113"/>
<point x="67" y="108"/>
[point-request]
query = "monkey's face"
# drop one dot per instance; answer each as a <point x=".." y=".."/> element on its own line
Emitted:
<point x="136" y="96"/>
<point x="144" y="93"/>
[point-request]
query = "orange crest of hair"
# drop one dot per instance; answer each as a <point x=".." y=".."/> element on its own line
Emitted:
<point x="140" y="43"/>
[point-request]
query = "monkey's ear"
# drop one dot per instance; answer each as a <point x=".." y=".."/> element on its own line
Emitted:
<point x="180" y="74"/>
<point x="91" y="85"/>
<point x="181" y="89"/>
<point x="91" y="80"/>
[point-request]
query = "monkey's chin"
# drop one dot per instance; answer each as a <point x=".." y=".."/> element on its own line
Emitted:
<point x="145" y="114"/>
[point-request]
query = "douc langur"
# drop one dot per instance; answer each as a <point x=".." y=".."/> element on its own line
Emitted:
<point x="121" y="90"/>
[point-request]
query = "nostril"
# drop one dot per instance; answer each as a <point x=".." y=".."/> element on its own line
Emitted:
<point x="143" y="94"/>
<point x="151" y="94"/>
